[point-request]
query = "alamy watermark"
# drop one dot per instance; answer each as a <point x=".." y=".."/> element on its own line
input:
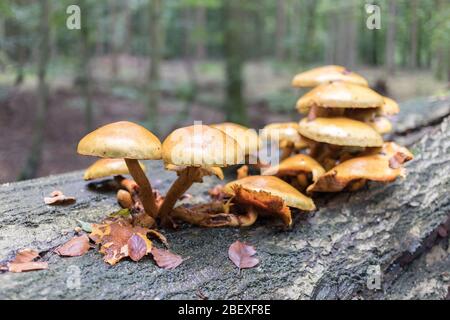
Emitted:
<point x="374" y="19"/>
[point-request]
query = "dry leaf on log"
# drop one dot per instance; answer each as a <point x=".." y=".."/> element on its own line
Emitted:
<point x="58" y="198"/>
<point x="114" y="238"/>
<point x="77" y="246"/>
<point x="242" y="255"/>
<point x="166" y="259"/>
<point x="23" y="261"/>
<point x="138" y="246"/>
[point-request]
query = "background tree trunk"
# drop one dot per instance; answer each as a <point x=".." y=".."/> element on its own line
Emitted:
<point x="155" y="7"/>
<point x="413" y="54"/>
<point x="85" y="74"/>
<point x="280" y="30"/>
<point x="34" y="157"/>
<point x="390" y="37"/>
<point x="201" y="26"/>
<point x="234" y="102"/>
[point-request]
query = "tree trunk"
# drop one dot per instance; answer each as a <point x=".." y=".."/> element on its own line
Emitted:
<point x="201" y="25"/>
<point x="114" y="5"/>
<point x="413" y="54"/>
<point x="311" y="6"/>
<point x="155" y="10"/>
<point x="234" y="102"/>
<point x="34" y="157"/>
<point x="280" y="30"/>
<point x="390" y="38"/>
<point x="85" y="73"/>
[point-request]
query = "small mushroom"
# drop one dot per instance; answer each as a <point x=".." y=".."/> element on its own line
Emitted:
<point x="106" y="167"/>
<point x="389" y="108"/>
<point x="326" y="74"/>
<point x="297" y="168"/>
<point x="383" y="165"/>
<point x="340" y="131"/>
<point x="131" y="142"/>
<point x="381" y="124"/>
<point x="196" y="149"/>
<point x="268" y="196"/>
<point x="340" y="95"/>
<point x="286" y="135"/>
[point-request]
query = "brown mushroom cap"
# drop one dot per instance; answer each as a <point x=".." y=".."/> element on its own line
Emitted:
<point x="326" y="74"/>
<point x="340" y="131"/>
<point x="201" y="146"/>
<point x="340" y="95"/>
<point x="207" y="171"/>
<point x="295" y="165"/>
<point x="121" y="140"/>
<point x="107" y="167"/>
<point x="286" y="131"/>
<point x="390" y="107"/>
<point x="381" y="124"/>
<point x="246" y="138"/>
<point x="375" y="168"/>
<point x="275" y="187"/>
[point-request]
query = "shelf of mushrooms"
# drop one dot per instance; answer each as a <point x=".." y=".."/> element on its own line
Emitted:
<point x="336" y="146"/>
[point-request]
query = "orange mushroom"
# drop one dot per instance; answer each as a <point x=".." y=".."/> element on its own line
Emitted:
<point x="327" y="74"/>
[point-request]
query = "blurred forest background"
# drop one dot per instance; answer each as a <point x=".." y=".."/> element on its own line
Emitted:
<point x="166" y="63"/>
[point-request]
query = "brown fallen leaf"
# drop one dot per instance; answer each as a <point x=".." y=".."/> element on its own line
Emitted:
<point x="58" y="198"/>
<point x="242" y="255"/>
<point x="166" y="259"/>
<point x="160" y="237"/>
<point x="113" y="236"/>
<point x="138" y="246"/>
<point x="77" y="246"/>
<point x="25" y="255"/>
<point x="27" y="266"/>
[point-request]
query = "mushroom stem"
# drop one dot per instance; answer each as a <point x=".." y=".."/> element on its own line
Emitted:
<point x="185" y="179"/>
<point x="145" y="189"/>
<point x="286" y="152"/>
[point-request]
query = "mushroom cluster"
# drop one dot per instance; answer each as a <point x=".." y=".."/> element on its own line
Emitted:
<point x="337" y="145"/>
<point x="343" y="126"/>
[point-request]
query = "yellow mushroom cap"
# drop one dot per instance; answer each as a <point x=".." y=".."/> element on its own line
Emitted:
<point x="340" y="95"/>
<point x="245" y="137"/>
<point x="274" y="186"/>
<point x="375" y="168"/>
<point x="285" y="131"/>
<point x="390" y="107"/>
<point x="207" y="171"/>
<point x="295" y="165"/>
<point x="107" y="167"/>
<point x="121" y="140"/>
<point x="201" y="146"/>
<point x="326" y="74"/>
<point x="340" y="131"/>
<point x="381" y="124"/>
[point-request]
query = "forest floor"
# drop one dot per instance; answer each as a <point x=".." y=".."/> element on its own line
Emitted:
<point x="268" y="95"/>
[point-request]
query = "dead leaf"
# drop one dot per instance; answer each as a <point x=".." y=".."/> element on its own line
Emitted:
<point x="242" y="255"/>
<point x="27" y="266"/>
<point x="113" y="236"/>
<point x="25" y="255"/>
<point x="77" y="246"/>
<point x="58" y="198"/>
<point x="160" y="237"/>
<point x="166" y="259"/>
<point x="138" y="246"/>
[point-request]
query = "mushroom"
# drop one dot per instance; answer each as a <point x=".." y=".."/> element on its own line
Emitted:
<point x="297" y="170"/>
<point x="246" y="138"/>
<point x="116" y="167"/>
<point x="131" y="142"/>
<point x="286" y="135"/>
<point x="327" y="74"/>
<point x="196" y="149"/>
<point x="381" y="124"/>
<point x="268" y="196"/>
<point x="339" y="95"/>
<point x="383" y="165"/>
<point x="333" y="139"/>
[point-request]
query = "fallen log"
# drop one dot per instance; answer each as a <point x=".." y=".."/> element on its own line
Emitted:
<point x="330" y="254"/>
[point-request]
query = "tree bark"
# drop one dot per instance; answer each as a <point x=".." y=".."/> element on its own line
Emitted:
<point x="201" y="26"/>
<point x="156" y="45"/>
<point x="34" y="157"/>
<point x="235" y="109"/>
